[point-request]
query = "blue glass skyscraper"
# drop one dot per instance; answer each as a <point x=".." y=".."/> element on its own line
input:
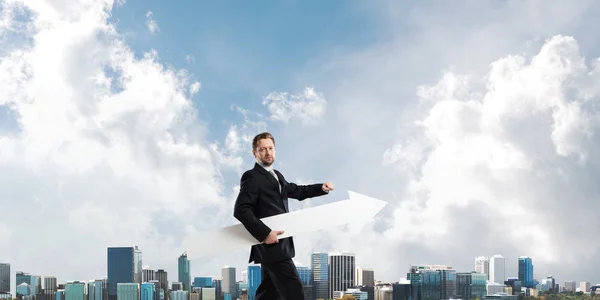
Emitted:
<point x="254" y="279"/>
<point x="526" y="272"/>
<point x="183" y="267"/>
<point x="319" y="265"/>
<point x="120" y="268"/>
<point x="305" y="275"/>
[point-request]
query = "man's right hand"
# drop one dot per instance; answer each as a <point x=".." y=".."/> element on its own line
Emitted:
<point x="272" y="237"/>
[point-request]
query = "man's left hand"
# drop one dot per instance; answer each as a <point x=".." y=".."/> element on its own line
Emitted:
<point x="327" y="186"/>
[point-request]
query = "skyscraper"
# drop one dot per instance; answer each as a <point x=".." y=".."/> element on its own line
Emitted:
<point x="319" y="265"/>
<point x="497" y="269"/>
<point x="364" y="277"/>
<point x="4" y="277"/>
<point x="147" y="274"/>
<point x="137" y="265"/>
<point x="254" y="279"/>
<point x="184" y="277"/>
<point x="75" y="290"/>
<point x="526" y="271"/>
<point x="482" y="266"/>
<point x="228" y="284"/>
<point x="341" y="272"/>
<point x="163" y="278"/>
<point x="50" y="285"/>
<point x="122" y="264"/>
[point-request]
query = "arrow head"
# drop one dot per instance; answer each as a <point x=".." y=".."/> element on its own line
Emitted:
<point x="365" y="205"/>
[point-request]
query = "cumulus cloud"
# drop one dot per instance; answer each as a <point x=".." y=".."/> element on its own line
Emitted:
<point x="507" y="163"/>
<point x="108" y="150"/>
<point x="308" y="106"/>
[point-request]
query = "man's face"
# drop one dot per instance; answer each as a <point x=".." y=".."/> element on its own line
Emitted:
<point x="265" y="152"/>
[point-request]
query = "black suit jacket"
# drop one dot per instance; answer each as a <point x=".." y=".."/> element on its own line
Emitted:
<point x="259" y="197"/>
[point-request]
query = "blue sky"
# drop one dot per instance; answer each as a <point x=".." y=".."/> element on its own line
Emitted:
<point x="241" y="50"/>
<point x="457" y="114"/>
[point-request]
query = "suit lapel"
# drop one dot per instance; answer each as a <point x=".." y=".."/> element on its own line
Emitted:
<point x="269" y="177"/>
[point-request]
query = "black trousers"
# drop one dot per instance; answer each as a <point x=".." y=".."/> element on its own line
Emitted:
<point x="280" y="280"/>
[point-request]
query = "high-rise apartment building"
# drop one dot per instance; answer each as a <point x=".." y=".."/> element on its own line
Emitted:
<point x="526" y="272"/>
<point x="497" y="269"/>
<point x="4" y="277"/>
<point x="183" y="267"/>
<point x="319" y="265"/>
<point x="482" y="266"/>
<point x="341" y="272"/>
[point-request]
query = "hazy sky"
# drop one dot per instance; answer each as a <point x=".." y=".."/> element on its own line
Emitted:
<point x="129" y="123"/>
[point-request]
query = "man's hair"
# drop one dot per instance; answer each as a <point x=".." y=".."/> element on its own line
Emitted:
<point x="260" y="136"/>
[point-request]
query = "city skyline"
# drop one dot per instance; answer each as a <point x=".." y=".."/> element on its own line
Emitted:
<point x="136" y="253"/>
<point x="131" y="122"/>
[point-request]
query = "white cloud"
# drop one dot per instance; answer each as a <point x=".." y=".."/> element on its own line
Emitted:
<point x="503" y="151"/>
<point x="308" y="106"/>
<point x="151" y="23"/>
<point x="109" y="151"/>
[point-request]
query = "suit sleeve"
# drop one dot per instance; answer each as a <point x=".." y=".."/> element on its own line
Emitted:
<point x="301" y="192"/>
<point x="244" y="208"/>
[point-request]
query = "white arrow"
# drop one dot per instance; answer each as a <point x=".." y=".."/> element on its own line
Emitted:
<point x="357" y="209"/>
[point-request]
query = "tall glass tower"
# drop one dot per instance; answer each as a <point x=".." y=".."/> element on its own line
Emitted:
<point x="319" y="265"/>
<point x="183" y="268"/>
<point x="526" y="271"/>
<point x="122" y="267"/>
<point x="4" y="277"/>
<point x="254" y="279"/>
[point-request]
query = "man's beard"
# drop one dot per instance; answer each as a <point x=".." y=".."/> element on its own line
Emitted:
<point x="267" y="163"/>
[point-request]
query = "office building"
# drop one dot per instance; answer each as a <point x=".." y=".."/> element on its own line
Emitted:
<point x="497" y="269"/>
<point x="482" y="266"/>
<point x="341" y="272"/>
<point x="228" y="285"/>
<point x="4" y="277"/>
<point x="124" y="265"/>
<point x="75" y="290"/>
<point x="364" y="277"/>
<point x="470" y="286"/>
<point x="147" y="274"/>
<point x="147" y="291"/>
<point x="526" y="272"/>
<point x="183" y="272"/>
<point x="319" y="265"/>
<point x="128" y="291"/>
<point x="50" y="285"/>
<point x="254" y="279"/>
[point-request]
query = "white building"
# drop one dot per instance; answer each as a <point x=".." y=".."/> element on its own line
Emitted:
<point x="497" y="269"/>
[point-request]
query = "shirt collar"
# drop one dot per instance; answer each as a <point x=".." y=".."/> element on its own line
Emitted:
<point x="268" y="168"/>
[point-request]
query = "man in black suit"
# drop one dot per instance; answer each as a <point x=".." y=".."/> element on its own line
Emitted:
<point x="264" y="192"/>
